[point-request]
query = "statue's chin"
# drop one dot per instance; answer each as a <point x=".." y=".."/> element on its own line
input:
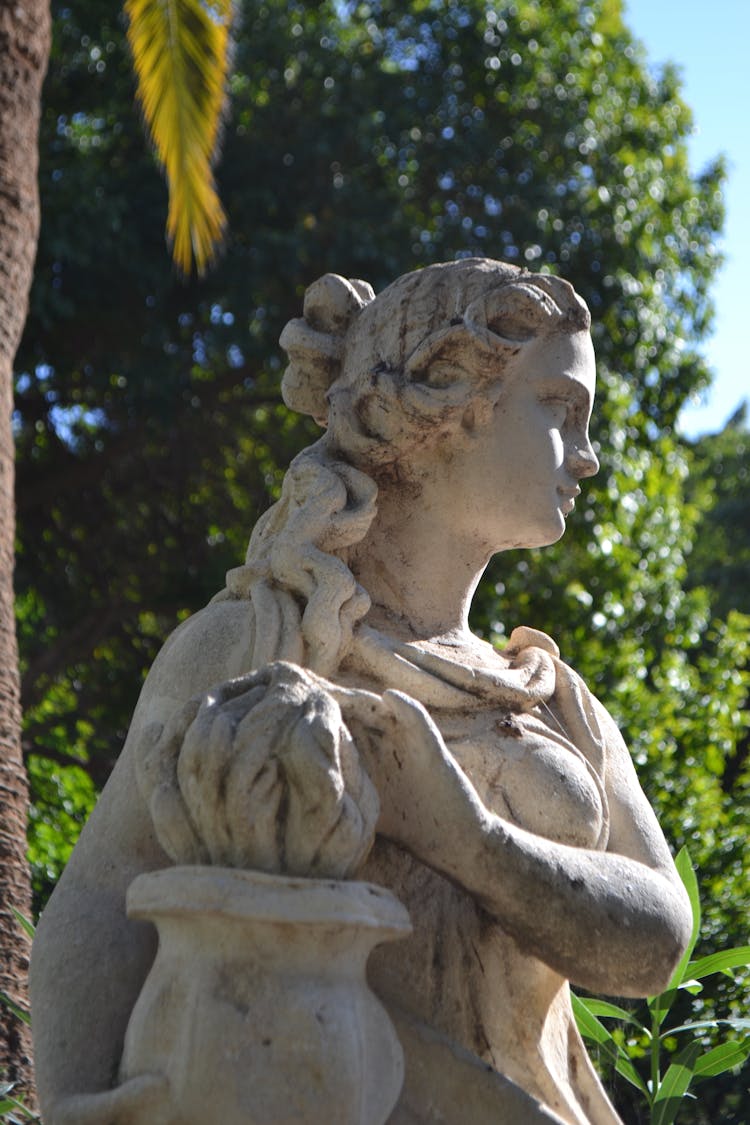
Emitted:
<point x="540" y="538"/>
<point x="557" y="529"/>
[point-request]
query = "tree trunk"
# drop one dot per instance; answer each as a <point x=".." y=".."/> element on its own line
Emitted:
<point x="24" y="49"/>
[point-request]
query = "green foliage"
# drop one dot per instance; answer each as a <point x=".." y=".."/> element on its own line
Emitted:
<point x="719" y="484"/>
<point x="29" y="929"/>
<point x="12" y="1110"/>
<point x="643" y="1038"/>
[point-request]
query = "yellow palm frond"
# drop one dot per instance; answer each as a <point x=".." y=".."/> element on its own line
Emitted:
<point x="181" y="54"/>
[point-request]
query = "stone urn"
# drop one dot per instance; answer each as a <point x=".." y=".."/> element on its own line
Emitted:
<point x="256" y="1008"/>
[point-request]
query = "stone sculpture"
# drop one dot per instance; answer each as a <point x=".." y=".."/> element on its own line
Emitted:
<point x="328" y="726"/>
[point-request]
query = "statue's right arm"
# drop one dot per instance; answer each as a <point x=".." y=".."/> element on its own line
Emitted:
<point x="614" y="921"/>
<point x="89" y="960"/>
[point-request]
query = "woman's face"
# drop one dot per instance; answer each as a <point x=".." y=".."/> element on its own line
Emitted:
<point x="514" y="480"/>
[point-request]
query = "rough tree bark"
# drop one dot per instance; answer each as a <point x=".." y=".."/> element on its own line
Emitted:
<point x="24" y="49"/>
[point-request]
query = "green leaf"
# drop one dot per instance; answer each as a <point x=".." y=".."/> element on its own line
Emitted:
<point x="26" y="925"/>
<point x="687" y="874"/>
<point x="17" y="1011"/>
<point x="724" y="1057"/>
<point x="720" y="962"/>
<point x="659" y="1005"/>
<point x="674" y="1086"/>
<point x="9" y="1104"/>
<point x="612" y="1011"/>
<point x="736" y="1023"/>
<point x="591" y="1029"/>
<point x="181" y="52"/>
<point x="625" y="1067"/>
<point x="595" y="1031"/>
<point x="588" y="1024"/>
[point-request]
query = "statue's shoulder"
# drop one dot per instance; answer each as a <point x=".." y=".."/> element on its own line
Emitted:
<point x="213" y="645"/>
<point x="579" y="709"/>
<point x="582" y="709"/>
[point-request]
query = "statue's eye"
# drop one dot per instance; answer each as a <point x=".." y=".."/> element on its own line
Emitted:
<point x="441" y="373"/>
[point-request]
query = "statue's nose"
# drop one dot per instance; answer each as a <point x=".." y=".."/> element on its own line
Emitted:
<point x="583" y="461"/>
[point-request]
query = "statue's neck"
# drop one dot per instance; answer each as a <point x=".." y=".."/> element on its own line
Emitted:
<point x="420" y="576"/>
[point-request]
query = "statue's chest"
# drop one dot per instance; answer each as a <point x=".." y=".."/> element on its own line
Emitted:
<point x="530" y="774"/>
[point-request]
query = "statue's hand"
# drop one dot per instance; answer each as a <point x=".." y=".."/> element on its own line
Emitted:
<point x="425" y="797"/>
<point x="139" y="1101"/>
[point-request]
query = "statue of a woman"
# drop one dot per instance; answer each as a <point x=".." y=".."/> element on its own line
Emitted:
<point x="512" y="825"/>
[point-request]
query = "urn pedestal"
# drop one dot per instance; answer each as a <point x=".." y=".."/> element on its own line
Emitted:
<point x="256" y="1008"/>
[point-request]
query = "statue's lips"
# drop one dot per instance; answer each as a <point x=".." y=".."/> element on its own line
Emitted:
<point x="568" y="497"/>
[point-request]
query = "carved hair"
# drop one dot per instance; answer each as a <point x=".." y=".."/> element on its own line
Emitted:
<point x="384" y="374"/>
<point x="388" y="372"/>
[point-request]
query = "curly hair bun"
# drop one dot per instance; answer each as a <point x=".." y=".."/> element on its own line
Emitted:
<point x="315" y="342"/>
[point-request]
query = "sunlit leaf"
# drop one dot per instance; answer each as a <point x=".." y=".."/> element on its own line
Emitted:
<point x="726" y="1056"/>
<point x="678" y="1077"/>
<point x="588" y="1025"/>
<point x="719" y="962"/>
<point x="687" y="874"/>
<point x="18" y="1012"/>
<point x="661" y="1004"/>
<point x="612" y="1011"/>
<point x="735" y="1022"/>
<point x="592" y="1029"/>
<point x="181" y="53"/>
<point x="692" y="986"/>
<point x="26" y="925"/>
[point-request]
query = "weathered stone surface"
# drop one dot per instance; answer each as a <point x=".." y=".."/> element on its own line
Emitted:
<point x="256" y="1008"/>
<point x="261" y="774"/>
<point x="330" y="716"/>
